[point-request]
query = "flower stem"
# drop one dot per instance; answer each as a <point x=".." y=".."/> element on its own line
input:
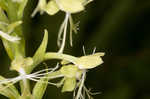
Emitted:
<point x="54" y="55"/>
<point x="24" y="84"/>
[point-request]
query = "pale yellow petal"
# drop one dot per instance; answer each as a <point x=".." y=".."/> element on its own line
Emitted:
<point x="89" y="61"/>
<point x="69" y="85"/>
<point x="51" y="8"/>
<point x="69" y="71"/>
<point x="70" y="6"/>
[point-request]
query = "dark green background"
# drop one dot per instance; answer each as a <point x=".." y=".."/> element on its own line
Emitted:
<point x="120" y="28"/>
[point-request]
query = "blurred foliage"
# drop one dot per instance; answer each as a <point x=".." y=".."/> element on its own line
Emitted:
<point x="120" y="28"/>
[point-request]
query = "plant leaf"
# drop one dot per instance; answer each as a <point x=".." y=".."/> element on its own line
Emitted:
<point x="3" y="4"/>
<point x="13" y="49"/>
<point x="21" y="8"/>
<point x="40" y="88"/>
<point x="40" y="53"/>
<point x="9" y="91"/>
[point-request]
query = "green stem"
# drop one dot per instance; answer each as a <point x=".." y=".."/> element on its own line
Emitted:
<point x="54" y="55"/>
<point x="40" y="87"/>
<point x="25" y="94"/>
<point x="25" y="86"/>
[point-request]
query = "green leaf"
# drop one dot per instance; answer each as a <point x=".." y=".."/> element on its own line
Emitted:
<point x="40" y="53"/>
<point x="40" y="88"/>
<point x="9" y="90"/>
<point x="12" y="11"/>
<point x="21" y="8"/>
<point x="13" y="49"/>
<point x="3" y="18"/>
<point x="3" y="4"/>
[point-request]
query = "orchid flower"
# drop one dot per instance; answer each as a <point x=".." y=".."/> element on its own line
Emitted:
<point x="67" y="6"/>
<point x="75" y="74"/>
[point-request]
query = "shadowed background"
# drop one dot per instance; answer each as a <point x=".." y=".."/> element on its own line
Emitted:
<point x="120" y="28"/>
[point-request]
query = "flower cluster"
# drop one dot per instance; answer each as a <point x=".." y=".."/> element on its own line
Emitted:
<point x="71" y="70"/>
<point x="53" y="6"/>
